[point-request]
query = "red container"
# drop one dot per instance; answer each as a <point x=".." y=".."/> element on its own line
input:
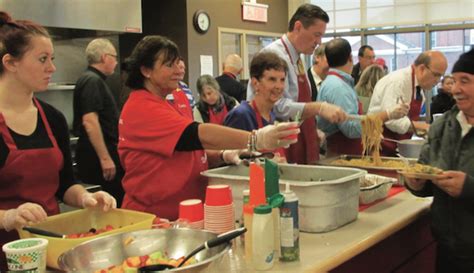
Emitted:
<point x="295" y="136"/>
<point x="218" y="195"/>
<point x="191" y="210"/>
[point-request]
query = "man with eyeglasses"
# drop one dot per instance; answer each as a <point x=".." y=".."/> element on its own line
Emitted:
<point x="96" y="121"/>
<point x="407" y="85"/>
<point x="366" y="58"/>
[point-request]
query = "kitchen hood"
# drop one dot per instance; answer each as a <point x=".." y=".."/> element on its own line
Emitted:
<point x="106" y="15"/>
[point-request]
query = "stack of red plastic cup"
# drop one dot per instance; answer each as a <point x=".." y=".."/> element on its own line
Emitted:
<point x="219" y="209"/>
<point x="192" y="211"/>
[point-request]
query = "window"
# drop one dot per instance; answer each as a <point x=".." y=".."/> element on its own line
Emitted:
<point x="360" y="14"/>
<point x="245" y="43"/>
<point x="256" y="43"/>
<point x="384" y="47"/>
<point x="450" y="42"/>
<point x="407" y="47"/>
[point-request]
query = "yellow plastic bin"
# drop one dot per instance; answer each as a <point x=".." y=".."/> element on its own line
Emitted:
<point x="80" y="221"/>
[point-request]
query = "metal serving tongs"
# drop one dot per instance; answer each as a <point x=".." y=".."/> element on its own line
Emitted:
<point x="405" y="160"/>
<point x="418" y="133"/>
<point x="359" y="117"/>
<point x="247" y="158"/>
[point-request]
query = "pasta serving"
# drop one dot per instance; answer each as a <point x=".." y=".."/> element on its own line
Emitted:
<point x="425" y="169"/>
<point x="371" y="137"/>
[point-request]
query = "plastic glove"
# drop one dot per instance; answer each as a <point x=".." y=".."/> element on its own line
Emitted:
<point x="332" y="113"/>
<point x="232" y="156"/>
<point x="98" y="199"/>
<point x="22" y="215"/>
<point x="271" y="137"/>
<point x="398" y="111"/>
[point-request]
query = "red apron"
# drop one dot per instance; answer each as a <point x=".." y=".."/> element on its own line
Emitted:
<point x="306" y="150"/>
<point x="219" y="117"/>
<point x="230" y="75"/>
<point x="258" y="117"/>
<point x="29" y="176"/>
<point x="389" y="147"/>
<point x="338" y="143"/>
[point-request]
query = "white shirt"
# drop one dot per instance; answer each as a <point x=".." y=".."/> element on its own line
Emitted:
<point x="387" y="91"/>
<point x="317" y="80"/>
<point x="288" y="106"/>
<point x="465" y="126"/>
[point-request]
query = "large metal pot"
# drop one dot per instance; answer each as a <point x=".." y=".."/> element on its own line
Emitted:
<point x="114" y="249"/>
<point x="410" y="148"/>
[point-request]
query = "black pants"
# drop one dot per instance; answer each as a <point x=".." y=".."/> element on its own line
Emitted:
<point x="446" y="262"/>
<point x="90" y="170"/>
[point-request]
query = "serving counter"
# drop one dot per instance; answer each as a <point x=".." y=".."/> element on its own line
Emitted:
<point x="389" y="235"/>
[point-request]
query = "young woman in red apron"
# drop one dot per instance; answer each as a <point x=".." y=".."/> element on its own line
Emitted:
<point x="30" y="175"/>
<point x="306" y="150"/>
<point x="389" y="147"/>
<point x="24" y="175"/>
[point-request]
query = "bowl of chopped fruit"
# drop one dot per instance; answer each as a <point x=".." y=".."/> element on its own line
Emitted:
<point x="127" y="252"/>
<point x="86" y="224"/>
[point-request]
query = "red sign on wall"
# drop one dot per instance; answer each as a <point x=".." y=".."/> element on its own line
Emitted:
<point x="254" y="12"/>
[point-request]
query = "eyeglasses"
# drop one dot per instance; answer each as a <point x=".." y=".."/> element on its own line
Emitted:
<point x="115" y="56"/>
<point x="436" y="74"/>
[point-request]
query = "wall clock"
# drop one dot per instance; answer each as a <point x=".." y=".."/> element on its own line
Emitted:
<point x="201" y="21"/>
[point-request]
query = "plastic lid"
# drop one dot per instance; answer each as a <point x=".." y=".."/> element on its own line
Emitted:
<point x="276" y="200"/>
<point x="248" y="209"/>
<point x="25" y="245"/>
<point x="263" y="209"/>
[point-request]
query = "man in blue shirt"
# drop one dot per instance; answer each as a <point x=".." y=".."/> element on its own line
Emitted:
<point x="338" y="89"/>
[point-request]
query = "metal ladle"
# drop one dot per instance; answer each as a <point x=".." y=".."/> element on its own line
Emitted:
<point x="220" y="239"/>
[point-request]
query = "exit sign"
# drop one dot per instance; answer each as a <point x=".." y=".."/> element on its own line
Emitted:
<point x="252" y="11"/>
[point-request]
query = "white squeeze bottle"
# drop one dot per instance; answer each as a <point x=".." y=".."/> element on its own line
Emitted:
<point x="262" y="238"/>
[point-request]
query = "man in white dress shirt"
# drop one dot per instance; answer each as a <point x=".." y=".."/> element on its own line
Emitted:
<point x="407" y="85"/>
<point x="305" y="31"/>
<point x="318" y="71"/>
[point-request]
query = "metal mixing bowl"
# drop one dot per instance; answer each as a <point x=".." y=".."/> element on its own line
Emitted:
<point x="111" y="250"/>
<point x="410" y="148"/>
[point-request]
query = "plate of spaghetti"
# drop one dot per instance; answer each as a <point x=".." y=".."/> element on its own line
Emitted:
<point x="421" y="171"/>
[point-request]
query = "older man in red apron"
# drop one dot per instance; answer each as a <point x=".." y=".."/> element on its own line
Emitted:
<point x="406" y="85"/>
